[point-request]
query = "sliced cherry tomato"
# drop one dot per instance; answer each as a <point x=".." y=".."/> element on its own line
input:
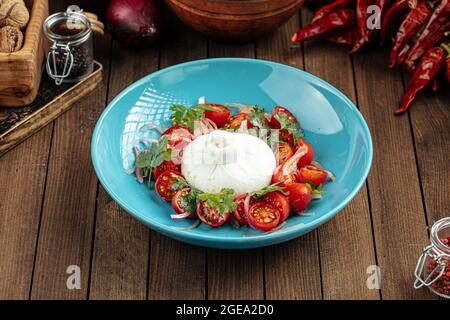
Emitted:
<point x="280" y="202"/>
<point x="219" y="115"/>
<point x="274" y="122"/>
<point x="177" y="134"/>
<point x="235" y="121"/>
<point x="263" y="216"/>
<point x="283" y="153"/>
<point x="239" y="213"/>
<point x="211" y="216"/>
<point x="308" y="157"/>
<point x="163" y="185"/>
<point x="285" y="135"/>
<point x="299" y="195"/>
<point x="312" y="175"/>
<point x="177" y="203"/>
<point x="164" y="166"/>
<point x="283" y="178"/>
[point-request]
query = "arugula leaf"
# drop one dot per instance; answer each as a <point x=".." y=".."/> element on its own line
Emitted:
<point x="270" y="188"/>
<point x="257" y="117"/>
<point x="187" y="116"/>
<point x="155" y="155"/>
<point x="222" y="201"/>
<point x="291" y="126"/>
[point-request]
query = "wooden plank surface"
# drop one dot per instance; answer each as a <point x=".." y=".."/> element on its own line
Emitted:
<point x="177" y="270"/>
<point x="292" y="270"/>
<point x="121" y="246"/>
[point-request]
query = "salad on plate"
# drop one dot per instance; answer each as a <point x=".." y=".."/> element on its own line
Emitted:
<point x="252" y="168"/>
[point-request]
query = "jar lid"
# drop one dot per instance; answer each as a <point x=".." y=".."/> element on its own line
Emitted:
<point x="440" y="230"/>
<point x="68" y="26"/>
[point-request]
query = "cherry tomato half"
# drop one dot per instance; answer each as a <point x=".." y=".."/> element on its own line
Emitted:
<point x="312" y="175"/>
<point x="308" y="157"/>
<point x="299" y="195"/>
<point x="280" y="202"/>
<point x="177" y="203"/>
<point x="239" y="213"/>
<point x="283" y="178"/>
<point x="163" y="185"/>
<point x="164" y="166"/>
<point x="219" y="115"/>
<point x="176" y="134"/>
<point x="235" y="121"/>
<point x="263" y="216"/>
<point x="274" y="122"/>
<point x="283" y="153"/>
<point x="211" y="216"/>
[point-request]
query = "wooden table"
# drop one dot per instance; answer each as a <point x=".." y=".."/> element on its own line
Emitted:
<point x="54" y="214"/>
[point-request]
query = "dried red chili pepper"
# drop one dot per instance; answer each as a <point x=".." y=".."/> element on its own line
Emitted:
<point x="345" y="37"/>
<point x="425" y="71"/>
<point x="413" y="23"/>
<point x="392" y="14"/>
<point x="327" y="9"/>
<point x="434" y="31"/>
<point x="446" y="47"/>
<point x="361" y="18"/>
<point x="336" y="20"/>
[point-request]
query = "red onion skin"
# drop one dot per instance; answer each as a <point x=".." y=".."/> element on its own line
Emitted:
<point x="135" y="23"/>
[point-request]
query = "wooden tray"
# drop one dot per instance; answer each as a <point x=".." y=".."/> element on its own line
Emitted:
<point x="18" y="124"/>
<point x="20" y="72"/>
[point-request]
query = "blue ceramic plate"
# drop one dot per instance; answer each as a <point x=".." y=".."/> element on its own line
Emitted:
<point x="332" y="124"/>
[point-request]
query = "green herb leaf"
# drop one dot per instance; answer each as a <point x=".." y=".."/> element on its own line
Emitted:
<point x="186" y="117"/>
<point x="270" y="188"/>
<point x="180" y="183"/>
<point x="189" y="201"/>
<point x="257" y="117"/>
<point x="155" y="155"/>
<point x="291" y="126"/>
<point x="222" y="201"/>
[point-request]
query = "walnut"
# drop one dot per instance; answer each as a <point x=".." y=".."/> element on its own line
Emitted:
<point x="14" y="13"/>
<point x="11" y="39"/>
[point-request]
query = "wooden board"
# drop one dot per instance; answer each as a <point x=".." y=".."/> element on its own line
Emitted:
<point x="18" y="124"/>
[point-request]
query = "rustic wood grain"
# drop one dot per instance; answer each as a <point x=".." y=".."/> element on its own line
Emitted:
<point x="67" y="221"/>
<point x="346" y="242"/>
<point x="234" y="274"/>
<point x="292" y="270"/>
<point x="394" y="186"/>
<point x="21" y="71"/>
<point x="121" y="246"/>
<point x="23" y="172"/>
<point x="177" y="270"/>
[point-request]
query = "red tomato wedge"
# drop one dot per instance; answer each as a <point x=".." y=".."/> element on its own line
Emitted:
<point x="312" y="175"/>
<point x="263" y="216"/>
<point x="219" y="115"/>
<point x="177" y="203"/>
<point x="235" y="121"/>
<point x="274" y="122"/>
<point x="211" y="216"/>
<point x="163" y="185"/>
<point x="283" y="153"/>
<point x="280" y="202"/>
<point x="164" y="166"/>
<point x="177" y="134"/>
<point x="308" y="157"/>
<point x="299" y="195"/>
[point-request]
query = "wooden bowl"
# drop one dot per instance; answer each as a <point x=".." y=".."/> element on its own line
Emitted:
<point x="20" y="72"/>
<point x="234" y="20"/>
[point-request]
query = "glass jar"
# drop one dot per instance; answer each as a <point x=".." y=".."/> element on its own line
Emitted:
<point x="433" y="267"/>
<point x="70" y="57"/>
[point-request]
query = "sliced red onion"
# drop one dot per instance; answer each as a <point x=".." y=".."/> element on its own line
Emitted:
<point x="291" y="164"/>
<point x="234" y="223"/>
<point x="180" y="216"/>
<point x="305" y="214"/>
<point x="152" y="126"/>
<point x="195" y="225"/>
<point x="131" y="171"/>
<point x="316" y="196"/>
<point x="202" y="100"/>
<point x="138" y="171"/>
<point x="149" y="140"/>
<point x="330" y="174"/>
<point x="277" y="228"/>
<point x="243" y="127"/>
<point x="247" y="204"/>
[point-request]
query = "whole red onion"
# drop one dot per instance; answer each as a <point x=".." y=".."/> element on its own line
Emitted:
<point x="134" y="23"/>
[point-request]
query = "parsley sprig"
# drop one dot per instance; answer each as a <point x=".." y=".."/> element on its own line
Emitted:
<point x="291" y="126"/>
<point x="222" y="201"/>
<point x="154" y="156"/>
<point x="270" y="188"/>
<point x="257" y="117"/>
<point x="186" y="116"/>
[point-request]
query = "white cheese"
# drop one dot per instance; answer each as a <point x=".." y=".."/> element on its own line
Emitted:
<point x="224" y="159"/>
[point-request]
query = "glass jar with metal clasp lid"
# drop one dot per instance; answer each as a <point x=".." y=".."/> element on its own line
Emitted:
<point x="433" y="267"/>
<point x="70" y="57"/>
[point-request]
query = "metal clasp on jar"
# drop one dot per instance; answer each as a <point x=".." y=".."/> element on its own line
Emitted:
<point x="418" y="273"/>
<point x="57" y="50"/>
